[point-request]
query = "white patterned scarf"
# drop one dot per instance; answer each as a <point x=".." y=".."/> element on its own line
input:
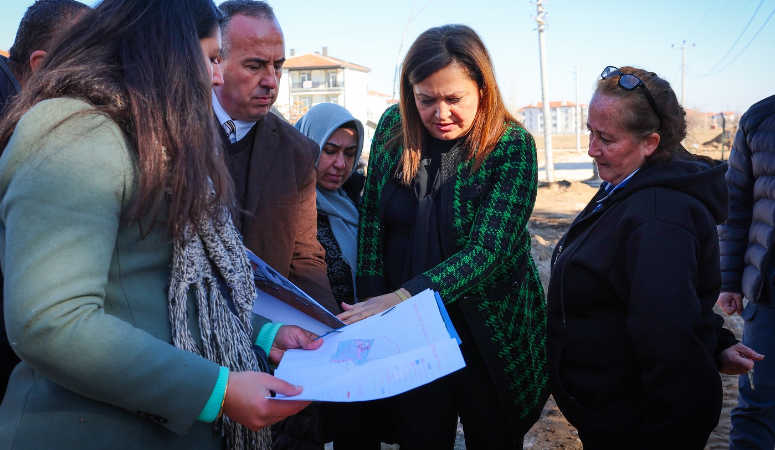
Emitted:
<point x="214" y="244"/>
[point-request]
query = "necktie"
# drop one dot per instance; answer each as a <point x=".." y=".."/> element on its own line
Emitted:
<point x="231" y="130"/>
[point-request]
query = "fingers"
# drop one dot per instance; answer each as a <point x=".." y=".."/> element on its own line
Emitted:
<point x="352" y="316"/>
<point x="741" y="364"/>
<point x="738" y="359"/>
<point x="347" y="306"/>
<point x="279" y="386"/>
<point x="352" y="311"/>
<point x="748" y="352"/>
<point x="302" y="338"/>
<point x="731" y="302"/>
<point x="310" y="340"/>
<point x="246" y="399"/>
<point x="725" y="303"/>
<point x="291" y="336"/>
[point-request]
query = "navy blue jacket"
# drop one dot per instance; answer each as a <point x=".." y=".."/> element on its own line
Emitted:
<point x="748" y="234"/>
<point x="8" y="84"/>
<point x="632" y="336"/>
<point x="8" y="359"/>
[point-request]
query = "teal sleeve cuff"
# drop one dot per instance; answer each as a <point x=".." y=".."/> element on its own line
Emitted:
<point x="266" y="336"/>
<point x="213" y="405"/>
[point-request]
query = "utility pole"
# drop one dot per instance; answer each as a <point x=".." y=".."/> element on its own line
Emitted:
<point x="683" y="72"/>
<point x="578" y="114"/>
<point x="723" y="134"/>
<point x="549" y="164"/>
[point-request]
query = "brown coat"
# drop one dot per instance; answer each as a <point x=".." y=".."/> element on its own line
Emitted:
<point x="280" y="222"/>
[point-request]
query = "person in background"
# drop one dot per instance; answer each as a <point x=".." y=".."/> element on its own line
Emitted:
<point x="43" y="21"/>
<point x="748" y="269"/>
<point x="128" y="291"/>
<point x="272" y="164"/>
<point x="340" y="137"/>
<point x="39" y="26"/>
<point x="635" y="348"/>
<point x="451" y="184"/>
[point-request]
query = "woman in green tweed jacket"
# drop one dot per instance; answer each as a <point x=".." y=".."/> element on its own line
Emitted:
<point x="451" y="185"/>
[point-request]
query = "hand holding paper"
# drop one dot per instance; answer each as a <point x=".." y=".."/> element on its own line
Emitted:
<point x="290" y="337"/>
<point x="381" y="356"/>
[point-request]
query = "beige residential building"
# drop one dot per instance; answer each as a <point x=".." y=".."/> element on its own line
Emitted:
<point x="315" y="78"/>
<point x="563" y="117"/>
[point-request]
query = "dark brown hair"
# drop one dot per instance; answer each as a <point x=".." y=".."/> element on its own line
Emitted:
<point x="640" y="119"/>
<point x="40" y="23"/>
<point x="436" y="49"/>
<point x="140" y="63"/>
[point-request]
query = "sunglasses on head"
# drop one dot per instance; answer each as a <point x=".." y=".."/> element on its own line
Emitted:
<point x="629" y="81"/>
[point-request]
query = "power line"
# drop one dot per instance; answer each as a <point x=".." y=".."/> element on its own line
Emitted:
<point x="707" y="11"/>
<point x="746" y="45"/>
<point x="412" y="16"/>
<point x="711" y="25"/>
<point x="737" y="40"/>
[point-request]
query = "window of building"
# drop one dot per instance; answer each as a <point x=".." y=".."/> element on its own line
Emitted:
<point x="331" y="78"/>
<point x="332" y="99"/>
<point x="306" y="100"/>
<point x="305" y="79"/>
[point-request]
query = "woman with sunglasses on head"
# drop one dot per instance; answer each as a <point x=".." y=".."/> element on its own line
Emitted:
<point x="128" y="292"/>
<point x="634" y="345"/>
<point x="451" y="184"/>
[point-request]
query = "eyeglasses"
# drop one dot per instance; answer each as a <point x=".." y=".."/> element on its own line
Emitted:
<point x="629" y="81"/>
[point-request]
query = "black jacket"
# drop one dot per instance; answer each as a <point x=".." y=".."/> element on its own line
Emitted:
<point x="632" y="334"/>
<point x="8" y="359"/>
<point x="8" y="84"/>
<point x="748" y="235"/>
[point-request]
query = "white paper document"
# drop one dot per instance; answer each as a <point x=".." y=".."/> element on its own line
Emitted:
<point x="400" y="349"/>
<point x="281" y="301"/>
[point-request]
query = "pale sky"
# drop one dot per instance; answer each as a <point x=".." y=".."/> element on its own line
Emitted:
<point x="728" y="65"/>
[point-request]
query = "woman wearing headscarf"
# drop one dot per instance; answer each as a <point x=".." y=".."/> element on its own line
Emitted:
<point x="340" y="137"/>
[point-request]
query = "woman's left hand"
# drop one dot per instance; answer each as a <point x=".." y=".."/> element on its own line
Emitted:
<point x="291" y="336"/>
<point x="737" y="359"/>
<point x="363" y="310"/>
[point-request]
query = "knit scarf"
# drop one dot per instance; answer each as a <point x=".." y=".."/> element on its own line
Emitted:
<point x="214" y="244"/>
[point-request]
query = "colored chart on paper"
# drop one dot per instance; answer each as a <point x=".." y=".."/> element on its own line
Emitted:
<point x="378" y="357"/>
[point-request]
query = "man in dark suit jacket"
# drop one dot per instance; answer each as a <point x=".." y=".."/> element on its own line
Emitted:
<point x="272" y="164"/>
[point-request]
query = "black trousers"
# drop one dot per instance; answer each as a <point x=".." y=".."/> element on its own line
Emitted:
<point x="426" y="417"/>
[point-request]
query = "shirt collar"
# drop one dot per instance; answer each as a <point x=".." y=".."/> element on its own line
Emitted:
<point x="242" y="127"/>
<point x="611" y="188"/>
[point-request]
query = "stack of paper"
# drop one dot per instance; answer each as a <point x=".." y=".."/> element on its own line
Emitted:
<point x="400" y="349"/>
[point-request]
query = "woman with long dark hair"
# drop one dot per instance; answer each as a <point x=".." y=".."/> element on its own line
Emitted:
<point x="451" y="184"/>
<point x="128" y="292"/>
